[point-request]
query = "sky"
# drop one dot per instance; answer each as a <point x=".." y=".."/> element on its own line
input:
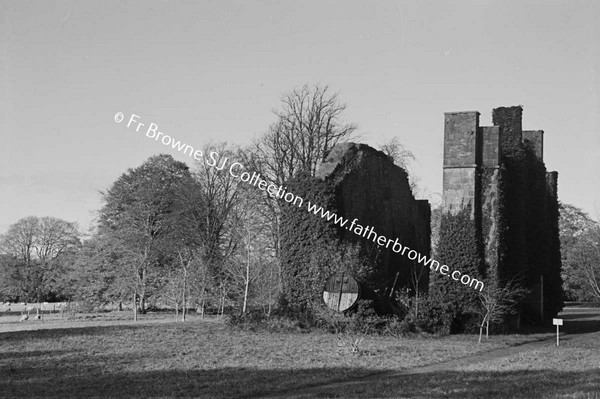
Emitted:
<point x="215" y="71"/>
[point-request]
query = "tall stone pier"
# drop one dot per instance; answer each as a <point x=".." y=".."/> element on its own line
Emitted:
<point x="496" y="177"/>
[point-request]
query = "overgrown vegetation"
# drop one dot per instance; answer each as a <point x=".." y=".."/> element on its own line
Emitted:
<point x="508" y="234"/>
<point x="451" y="307"/>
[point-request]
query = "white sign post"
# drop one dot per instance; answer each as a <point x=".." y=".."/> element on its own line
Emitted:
<point x="557" y="322"/>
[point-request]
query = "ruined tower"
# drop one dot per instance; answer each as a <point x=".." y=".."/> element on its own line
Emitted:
<point x="495" y="178"/>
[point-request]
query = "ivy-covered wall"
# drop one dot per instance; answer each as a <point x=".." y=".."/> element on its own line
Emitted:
<point x="362" y="185"/>
<point x="311" y="249"/>
<point x="461" y="246"/>
<point x="511" y="232"/>
<point x="531" y="251"/>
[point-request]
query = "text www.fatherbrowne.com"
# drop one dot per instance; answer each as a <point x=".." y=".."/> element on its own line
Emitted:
<point x="213" y="159"/>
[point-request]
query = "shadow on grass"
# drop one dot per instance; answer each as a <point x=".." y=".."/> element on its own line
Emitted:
<point x="309" y="382"/>
<point x="577" y="321"/>
<point x="54" y="333"/>
<point x="27" y="354"/>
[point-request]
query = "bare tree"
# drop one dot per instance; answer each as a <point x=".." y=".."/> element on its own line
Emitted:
<point x="248" y="227"/>
<point x="202" y="238"/>
<point x="309" y="123"/>
<point x="43" y="238"/>
<point x="219" y="192"/>
<point x="498" y="301"/>
<point x="188" y="242"/>
<point x="55" y="236"/>
<point x="20" y="238"/>
<point x="398" y="153"/>
<point x="403" y="157"/>
<point x="418" y="271"/>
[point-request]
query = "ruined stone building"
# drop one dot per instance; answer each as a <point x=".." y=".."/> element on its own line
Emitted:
<point x="496" y="180"/>
<point x="356" y="182"/>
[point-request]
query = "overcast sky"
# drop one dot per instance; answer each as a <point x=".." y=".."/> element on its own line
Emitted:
<point x="214" y="70"/>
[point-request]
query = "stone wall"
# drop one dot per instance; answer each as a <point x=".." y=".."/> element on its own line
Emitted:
<point x="372" y="189"/>
<point x="461" y="156"/>
<point x="513" y="203"/>
<point x="356" y="182"/>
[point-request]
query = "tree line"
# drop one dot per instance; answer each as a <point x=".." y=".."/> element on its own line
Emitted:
<point x="179" y="236"/>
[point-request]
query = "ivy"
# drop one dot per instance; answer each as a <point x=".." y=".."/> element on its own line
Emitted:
<point x="313" y="249"/>
<point x="460" y="248"/>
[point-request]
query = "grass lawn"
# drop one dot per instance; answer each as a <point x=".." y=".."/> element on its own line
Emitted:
<point x="207" y="359"/>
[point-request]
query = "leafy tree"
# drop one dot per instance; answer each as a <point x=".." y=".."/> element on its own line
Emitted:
<point x="98" y="274"/>
<point x="576" y="231"/>
<point x="136" y="216"/>
<point x="584" y="256"/>
<point x="9" y="279"/>
<point x="41" y="248"/>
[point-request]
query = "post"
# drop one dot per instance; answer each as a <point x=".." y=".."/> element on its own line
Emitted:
<point x="394" y="285"/>
<point x="557" y="323"/>
<point x="542" y="298"/>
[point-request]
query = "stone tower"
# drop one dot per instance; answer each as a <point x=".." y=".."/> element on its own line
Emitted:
<point x="497" y="175"/>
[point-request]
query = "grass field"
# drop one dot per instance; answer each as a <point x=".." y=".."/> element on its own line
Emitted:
<point x="109" y="356"/>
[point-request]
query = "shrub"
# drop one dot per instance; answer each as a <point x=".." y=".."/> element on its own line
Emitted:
<point x="399" y="328"/>
<point x="360" y="320"/>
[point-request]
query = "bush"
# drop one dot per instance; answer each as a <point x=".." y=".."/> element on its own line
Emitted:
<point x="245" y="320"/>
<point x="399" y="328"/>
<point x="361" y="320"/>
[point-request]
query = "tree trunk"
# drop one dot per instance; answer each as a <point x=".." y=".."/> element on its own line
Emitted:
<point x="142" y="303"/>
<point x="417" y="305"/>
<point x="222" y="303"/>
<point x="183" y="305"/>
<point x="184" y="295"/>
<point x="202" y="300"/>
<point x="134" y="305"/>
<point x="278" y="250"/>
<point x="247" y="282"/>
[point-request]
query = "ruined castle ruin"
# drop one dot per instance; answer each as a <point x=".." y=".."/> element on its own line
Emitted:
<point x="496" y="183"/>
<point x="365" y="187"/>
